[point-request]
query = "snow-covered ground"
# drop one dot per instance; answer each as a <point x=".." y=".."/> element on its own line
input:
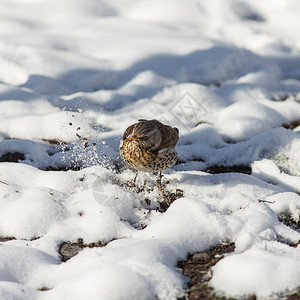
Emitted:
<point x="78" y="73"/>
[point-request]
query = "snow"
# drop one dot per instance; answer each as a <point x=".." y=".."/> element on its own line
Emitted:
<point x="75" y="75"/>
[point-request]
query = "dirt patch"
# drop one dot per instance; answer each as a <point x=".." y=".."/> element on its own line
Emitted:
<point x="64" y="169"/>
<point x="229" y="169"/>
<point x="288" y="221"/>
<point x="286" y="97"/>
<point x="198" y="268"/>
<point x="292" y="125"/>
<point x="6" y="239"/>
<point x="295" y="296"/>
<point x="68" y="250"/>
<point x="12" y="157"/>
<point x="171" y="197"/>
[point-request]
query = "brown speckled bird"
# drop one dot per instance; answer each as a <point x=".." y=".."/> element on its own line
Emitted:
<point x="148" y="146"/>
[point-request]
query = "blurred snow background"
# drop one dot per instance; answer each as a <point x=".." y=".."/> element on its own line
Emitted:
<point x="74" y="75"/>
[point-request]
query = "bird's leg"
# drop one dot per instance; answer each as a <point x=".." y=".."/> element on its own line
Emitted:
<point x="134" y="180"/>
<point x="161" y="190"/>
<point x="145" y="183"/>
<point x="159" y="177"/>
<point x="131" y="184"/>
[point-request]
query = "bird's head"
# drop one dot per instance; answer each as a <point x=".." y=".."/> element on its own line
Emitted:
<point x="146" y="134"/>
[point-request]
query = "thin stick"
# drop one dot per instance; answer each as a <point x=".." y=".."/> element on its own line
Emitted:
<point x="265" y="201"/>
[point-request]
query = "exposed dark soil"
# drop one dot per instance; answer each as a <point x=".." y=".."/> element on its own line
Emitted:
<point x="16" y="157"/>
<point x="285" y="97"/>
<point x="72" y="168"/>
<point x="292" y="125"/>
<point x="288" y="221"/>
<point x="6" y="239"/>
<point x="295" y="296"/>
<point x="12" y="157"/>
<point x="229" y="169"/>
<point x="67" y="249"/>
<point x="198" y="268"/>
<point x="171" y="197"/>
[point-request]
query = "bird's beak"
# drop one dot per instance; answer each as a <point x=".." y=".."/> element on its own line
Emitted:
<point x="132" y="138"/>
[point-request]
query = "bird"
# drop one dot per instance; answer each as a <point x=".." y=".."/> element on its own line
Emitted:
<point x="148" y="146"/>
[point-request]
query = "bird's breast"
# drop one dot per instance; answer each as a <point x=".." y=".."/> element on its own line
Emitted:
<point x="137" y="157"/>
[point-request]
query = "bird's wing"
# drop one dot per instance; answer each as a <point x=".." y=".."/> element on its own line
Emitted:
<point x="170" y="135"/>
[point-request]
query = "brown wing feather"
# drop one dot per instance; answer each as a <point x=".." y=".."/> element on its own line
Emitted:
<point x="170" y="137"/>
